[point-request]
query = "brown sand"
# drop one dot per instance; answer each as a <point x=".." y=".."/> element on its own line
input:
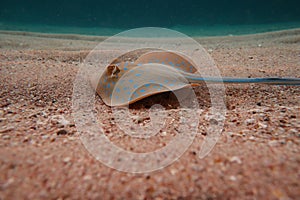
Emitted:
<point x="257" y="156"/>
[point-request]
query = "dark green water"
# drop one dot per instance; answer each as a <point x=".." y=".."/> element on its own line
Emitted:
<point x="196" y="17"/>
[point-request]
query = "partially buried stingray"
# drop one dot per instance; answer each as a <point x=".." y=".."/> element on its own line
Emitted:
<point x="123" y="83"/>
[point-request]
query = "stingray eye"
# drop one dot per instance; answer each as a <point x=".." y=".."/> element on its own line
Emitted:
<point x="112" y="70"/>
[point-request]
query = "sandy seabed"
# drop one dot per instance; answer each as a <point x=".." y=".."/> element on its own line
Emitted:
<point x="42" y="157"/>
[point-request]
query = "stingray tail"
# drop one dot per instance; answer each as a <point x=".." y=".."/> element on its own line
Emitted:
<point x="270" y="81"/>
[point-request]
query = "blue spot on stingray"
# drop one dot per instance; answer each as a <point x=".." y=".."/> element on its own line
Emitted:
<point x="171" y="63"/>
<point x="133" y="95"/>
<point x="131" y="81"/>
<point x="108" y="85"/>
<point x="125" y="88"/>
<point x="126" y="63"/>
<point x="138" y="74"/>
<point x="171" y="84"/>
<point x="125" y="68"/>
<point x="142" y="90"/>
<point x="178" y="65"/>
<point x="118" y="90"/>
<point x="135" y="86"/>
<point x="147" y="85"/>
<point x="163" y="63"/>
<point x="166" y="81"/>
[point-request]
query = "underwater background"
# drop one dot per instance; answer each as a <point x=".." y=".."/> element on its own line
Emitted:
<point x="193" y="17"/>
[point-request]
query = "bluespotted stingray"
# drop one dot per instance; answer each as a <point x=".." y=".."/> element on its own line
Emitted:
<point x="154" y="72"/>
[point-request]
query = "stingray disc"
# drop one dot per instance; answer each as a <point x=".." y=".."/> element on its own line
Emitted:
<point x="152" y="73"/>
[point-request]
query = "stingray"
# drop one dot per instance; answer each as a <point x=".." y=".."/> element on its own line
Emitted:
<point x="154" y="72"/>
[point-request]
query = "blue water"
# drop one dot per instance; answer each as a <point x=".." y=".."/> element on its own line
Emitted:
<point x="97" y="17"/>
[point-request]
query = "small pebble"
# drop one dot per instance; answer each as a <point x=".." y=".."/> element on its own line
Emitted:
<point x="62" y="132"/>
<point x="6" y="137"/>
<point x="67" y="159"/>
<point x="231" y="134"/>
<point x="232" y="178"/>
<point x="45" y="137"/>
<point x="3" y="119"/>
<point x="294" y="131"/>
<point x="26" y="139"/>
<point x="249" y="121"/>
<point x="235" y="159"/>
<point x="87" y="177"/>
<point x="173" y="171"/>
<point x="138" y="119"/>
<point x="59" y="120"/>
<point x="252" y="138"/>
<point x="264" y="126"/>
